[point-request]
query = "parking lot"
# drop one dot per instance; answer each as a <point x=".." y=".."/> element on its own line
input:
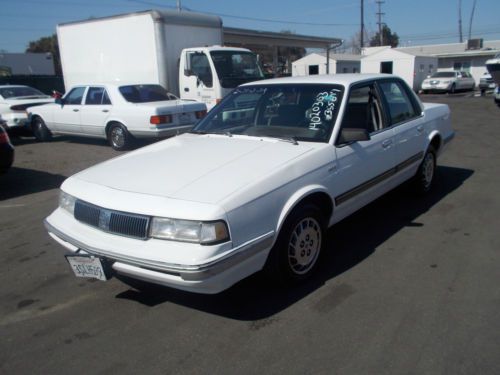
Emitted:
<point x="408" y="285"/>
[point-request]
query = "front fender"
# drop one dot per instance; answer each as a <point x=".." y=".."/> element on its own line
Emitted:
<point x="296" y="198"/>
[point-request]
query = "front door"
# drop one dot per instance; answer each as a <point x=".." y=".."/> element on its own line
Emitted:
<point x="67" y="116"/>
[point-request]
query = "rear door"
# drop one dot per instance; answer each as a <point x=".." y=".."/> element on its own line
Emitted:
<point x="95" y="111"/>
<point x="67" y="115"/>
<point x="406" y="118"/>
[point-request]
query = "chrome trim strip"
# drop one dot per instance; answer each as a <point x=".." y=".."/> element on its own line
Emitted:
<point x="342" y="198"/>
<point x="187" y="272"/>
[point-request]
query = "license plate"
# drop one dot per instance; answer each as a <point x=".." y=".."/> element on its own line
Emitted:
<point x="87" y="266"/>
<point x="184" y="118"/>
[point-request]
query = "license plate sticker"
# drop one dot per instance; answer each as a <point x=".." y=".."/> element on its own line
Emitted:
<point x="87" y="266"/>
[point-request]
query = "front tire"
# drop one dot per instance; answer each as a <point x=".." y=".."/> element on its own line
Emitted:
<point x="424" y="178"/>
<point x="294" y="256"/>
<point x="40" y="130"/>
<point x="119" y="138"/>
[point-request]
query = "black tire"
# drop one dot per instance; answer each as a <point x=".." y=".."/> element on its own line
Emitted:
<point x="453" y="89"/>
<point x="40" y="130"/>
<point x="119" y="138"/>
<point x="424" y="178"/>
<point x="304" y="230"/>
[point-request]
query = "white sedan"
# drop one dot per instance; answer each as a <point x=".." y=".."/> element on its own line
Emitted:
<point x="118" y="113"/>
<point x="14" y="99"/>
<point x="253" y="186"/>
<point x="448" y="82"/>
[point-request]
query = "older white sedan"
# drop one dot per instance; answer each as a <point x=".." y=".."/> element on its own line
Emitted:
<point x="255" y="185"/>
<point x="118" y="113"/>
<point x="14" y="99"/>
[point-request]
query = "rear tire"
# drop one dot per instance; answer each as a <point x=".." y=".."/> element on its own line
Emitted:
<point x="119" y="138"/>
<point x="294" y="256"/>
<point x="40" y="130"/>
<point x="424" y="178"/>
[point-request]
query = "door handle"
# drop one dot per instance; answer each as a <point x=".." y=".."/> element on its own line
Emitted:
<point x="186" y="89"/>
<point x="75" y="110"/>
<point x="105" y="110"/>
<point x="387" y="143"/>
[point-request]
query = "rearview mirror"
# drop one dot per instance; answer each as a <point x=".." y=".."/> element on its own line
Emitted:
<point x="349" y="135"/>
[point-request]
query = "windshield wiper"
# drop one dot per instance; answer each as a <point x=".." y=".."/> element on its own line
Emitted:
<point x="197" y="132"/>
<point x="291" y="140"/>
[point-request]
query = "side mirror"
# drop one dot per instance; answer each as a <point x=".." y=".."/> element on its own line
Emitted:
<point x="59" y="101"/>
<point x="349" y="135"/>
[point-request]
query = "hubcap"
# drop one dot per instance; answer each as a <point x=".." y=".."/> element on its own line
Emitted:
<point x="117" y="136"/>
<point x="428" y="169"/>
<point x="304" y="246"/>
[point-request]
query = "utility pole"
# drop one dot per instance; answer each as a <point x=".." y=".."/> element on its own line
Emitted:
<point x="379" y="23"/>
<point x="460" y="20"/>
<point x="179" y="5"/>
<point x="361" y="34"/>
<point x="471" y="17"/>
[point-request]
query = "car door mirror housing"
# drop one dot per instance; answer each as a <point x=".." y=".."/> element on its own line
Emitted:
<point x="350" y="135"/>
<point x="59" y="101"/>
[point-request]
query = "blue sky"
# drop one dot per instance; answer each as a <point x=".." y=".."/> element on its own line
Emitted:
<point x="416" y="21"/>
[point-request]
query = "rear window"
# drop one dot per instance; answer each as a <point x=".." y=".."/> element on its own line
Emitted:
<point x="20" y="92"/>
<point x="145" y="93"/>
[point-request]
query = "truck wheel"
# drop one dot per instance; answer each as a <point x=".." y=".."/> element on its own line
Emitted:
<point x="294" y="256"/>
<point x="119" y="138"/>
<point x="40" y="130"/>
<point x="424" y="178"/>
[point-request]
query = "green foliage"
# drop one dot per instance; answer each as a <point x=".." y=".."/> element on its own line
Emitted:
<point x="388" y="38"/>
<point x="47" y="44"/>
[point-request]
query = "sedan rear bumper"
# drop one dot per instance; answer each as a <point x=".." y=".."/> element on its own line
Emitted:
<point x="160" y="132"/>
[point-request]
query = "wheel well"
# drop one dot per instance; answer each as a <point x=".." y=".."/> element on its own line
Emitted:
<point x="436" y="142"/>
<point x="321" y="200"/>
<point x="108" y="125"/>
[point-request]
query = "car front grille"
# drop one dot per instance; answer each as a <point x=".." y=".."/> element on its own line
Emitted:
<point x="123" y="223"/>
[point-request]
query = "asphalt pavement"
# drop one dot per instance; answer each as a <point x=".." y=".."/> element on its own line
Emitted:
<point x="408" y="285"/>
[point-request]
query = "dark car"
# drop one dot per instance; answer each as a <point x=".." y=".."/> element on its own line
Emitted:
<point x="6" y="151"/>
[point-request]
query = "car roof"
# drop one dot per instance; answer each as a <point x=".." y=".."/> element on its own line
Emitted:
<point x="345" y="79"/>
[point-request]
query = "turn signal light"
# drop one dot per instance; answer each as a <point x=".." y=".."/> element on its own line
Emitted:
<point x="160" y="119"/>
<point x="201" y="114"/>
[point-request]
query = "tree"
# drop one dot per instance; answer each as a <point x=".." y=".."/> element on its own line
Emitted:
<point x="47" y="44"/>
<point x="388" y="38"/>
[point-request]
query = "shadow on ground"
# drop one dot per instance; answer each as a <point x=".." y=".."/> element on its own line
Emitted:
<point x="253" y="299"/>
<point x="21" y="181"/>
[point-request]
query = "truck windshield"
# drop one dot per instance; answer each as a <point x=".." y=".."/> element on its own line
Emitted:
<point x="235" y="68"/>
<point x="145" y="93"/>
<point x="296" y="112"/>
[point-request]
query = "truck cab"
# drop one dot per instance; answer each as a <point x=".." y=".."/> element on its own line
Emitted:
<point x="207" y="74"/>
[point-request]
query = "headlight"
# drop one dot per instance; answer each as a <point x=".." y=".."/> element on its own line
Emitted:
<point x="189" y="231"/>
<point x="67" y="202"/>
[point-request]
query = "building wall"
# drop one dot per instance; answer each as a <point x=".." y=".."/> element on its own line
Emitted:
<point x="301" y="66"/>
<point x="476" y="65"/>
<point x="402" y="64"/>
<point x="424" y="66"/>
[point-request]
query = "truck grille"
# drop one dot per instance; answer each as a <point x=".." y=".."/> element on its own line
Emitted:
<point x="122" y="223"/>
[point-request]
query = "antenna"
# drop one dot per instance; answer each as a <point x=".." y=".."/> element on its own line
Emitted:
<point x="379" y="23"/>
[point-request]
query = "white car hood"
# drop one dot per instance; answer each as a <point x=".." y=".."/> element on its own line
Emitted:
<point x="198" y="168"/>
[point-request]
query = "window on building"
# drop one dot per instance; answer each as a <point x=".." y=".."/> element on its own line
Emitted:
<point x="431" y="68"/>
<point x="313" y="69"/>
<point x="422" y="68"/>
<point x="461" y="65"/>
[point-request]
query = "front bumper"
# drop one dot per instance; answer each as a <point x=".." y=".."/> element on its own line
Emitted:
<point x="210" y="277"/>
<point x="16" y="119"/>
<point x="436" y="87"/>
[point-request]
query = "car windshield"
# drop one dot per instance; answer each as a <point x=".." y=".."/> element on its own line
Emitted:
<point x="145" y="93"/>
<point x="20" y="92"/>
<point x="236" y="68"/>
<point x="295" y="112"/>
<point x="443" y="75"/>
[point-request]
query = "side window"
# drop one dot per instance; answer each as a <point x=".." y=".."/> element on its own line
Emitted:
<point x="399" y="103"/>
<point x="363" y="110"/>
<point x="97" y="96"/>
<point x="75" y="96"/>
<point x="200" y="67"/>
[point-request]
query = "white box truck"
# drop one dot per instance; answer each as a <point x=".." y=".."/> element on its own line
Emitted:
<point x="179" y="50"/>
